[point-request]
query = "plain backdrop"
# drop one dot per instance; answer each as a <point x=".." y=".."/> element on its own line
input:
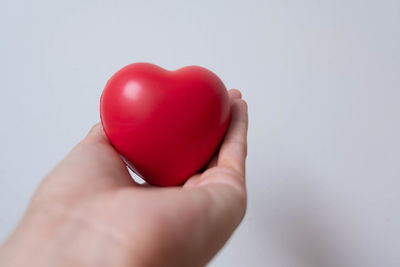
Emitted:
<point x="322" y="79"/>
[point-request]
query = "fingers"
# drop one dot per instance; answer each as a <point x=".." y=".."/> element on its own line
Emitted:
<point x="224" y="186"/>
<point x="233" y="150"/>
<point x="234" y="94"/>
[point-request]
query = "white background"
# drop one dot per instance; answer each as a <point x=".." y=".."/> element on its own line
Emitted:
<point x="322" y="79"/>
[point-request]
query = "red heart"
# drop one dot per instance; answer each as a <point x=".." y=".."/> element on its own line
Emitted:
<point x="166" y="124"/>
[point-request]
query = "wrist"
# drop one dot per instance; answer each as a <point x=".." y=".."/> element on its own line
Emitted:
<point x="52" y="236"/>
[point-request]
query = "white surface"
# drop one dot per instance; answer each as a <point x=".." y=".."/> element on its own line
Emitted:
<point x="322" y="79"/>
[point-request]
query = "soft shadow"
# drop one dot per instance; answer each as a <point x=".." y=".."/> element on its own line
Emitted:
<point x="293" y="226"/>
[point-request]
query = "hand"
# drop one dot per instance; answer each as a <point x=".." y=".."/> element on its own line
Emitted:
<point x="89" y="211"/>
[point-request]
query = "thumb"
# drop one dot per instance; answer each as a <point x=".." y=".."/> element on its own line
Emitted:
<point x="96" y="135"/>
<point x="92" y="166"/>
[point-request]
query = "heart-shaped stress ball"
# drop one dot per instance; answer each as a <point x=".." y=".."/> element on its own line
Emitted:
<point x="166" y="124"/>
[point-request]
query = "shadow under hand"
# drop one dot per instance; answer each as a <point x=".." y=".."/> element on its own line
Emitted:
<point x="293" y="226"/>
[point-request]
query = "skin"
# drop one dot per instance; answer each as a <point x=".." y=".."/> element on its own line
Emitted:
<point x="88" y="211"/>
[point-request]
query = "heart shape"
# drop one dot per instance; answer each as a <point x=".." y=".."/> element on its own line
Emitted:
<point x="166" y="124"/>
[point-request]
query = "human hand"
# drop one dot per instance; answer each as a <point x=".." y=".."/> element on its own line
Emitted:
<point x="89" y="211"/>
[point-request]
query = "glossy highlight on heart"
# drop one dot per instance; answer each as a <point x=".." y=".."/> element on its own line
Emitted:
<point x="166" y="124"/>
